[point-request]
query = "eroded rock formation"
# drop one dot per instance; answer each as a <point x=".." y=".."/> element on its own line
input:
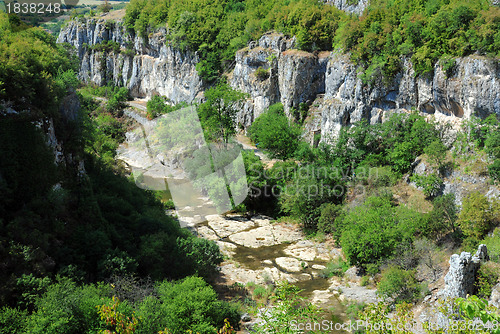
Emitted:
<point x="459" y="281"/>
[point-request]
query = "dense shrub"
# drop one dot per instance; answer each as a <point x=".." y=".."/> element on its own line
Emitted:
<point x="32" y="62"/>
<point x="159" y="105"/>
<point x="262" y="73"/>
<point x="478" y="216"/>
<point x="431" y="184"/>
<point x="272" y="131"/>
<point x="441" y="220"/>
<point x="312" y="186"/>
<point x="399" y="285"/>
<point x="372" y="231"/>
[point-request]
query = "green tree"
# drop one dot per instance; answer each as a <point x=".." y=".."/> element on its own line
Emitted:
<point x="218" y="112"/>
<point x="492" y="144"/>
<point x="398" y="284"/>
<point x="273" y="131"/>
<point x="494" y="170"/>
<point x="311" y="186"/>
<point x="436" y="152"/>
<point x="372" y="231"/>
<point x="478" y="216"/>
<point x="401" y="156"/>
<point x="431" y="183"/>
<point x="441" y="220"/>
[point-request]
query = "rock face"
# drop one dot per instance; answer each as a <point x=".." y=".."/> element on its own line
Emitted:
<point x="329" y="82"/>
<point x="271" y="70"/>
<point x="350" y="6"/>
<point x="495" y="296"/>
<point x="472" y="89"/>
<point x="459" y="281"/>
<point x="149" y="66"/>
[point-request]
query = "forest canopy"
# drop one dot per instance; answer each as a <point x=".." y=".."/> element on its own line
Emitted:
<point x="423" y="30"/>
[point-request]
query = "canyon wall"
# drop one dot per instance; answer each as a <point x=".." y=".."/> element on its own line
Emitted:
<point x="271" y="70"/>
<point x="146" y="66"/>
<point x="329" y="83"/>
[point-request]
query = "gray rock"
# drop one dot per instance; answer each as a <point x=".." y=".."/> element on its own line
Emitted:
<point x="328" y="79"/>
<point x="495" y="296"/>
<point x="354" y="7"/>
<point x="459" y="281"/>
<point x="145" y="67"/>
<point x="290" y="264"/>
<point x="245" y="317"/>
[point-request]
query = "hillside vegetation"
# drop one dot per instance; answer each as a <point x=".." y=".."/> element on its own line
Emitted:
<point x="82" y="248"/>
<point x="424" y="30"/>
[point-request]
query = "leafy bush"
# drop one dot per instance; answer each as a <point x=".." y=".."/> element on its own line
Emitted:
<point x="190" y="304"/>
<point x="218" y="113"/>
<point x="441" y="220"/>
<point x="478" y="216"/>
<point x="34" y="68"/>
<point x="494" y="170"/>
<point x="492" y="144"/>
<point x="66" y="308"/>
<point x="431" y="183"/>
<point x="493" y="244"/>
<point x="436" y="152"/>
<point x="335" y="268"/>
<point x="311" y="186"/>
<point x="289" y="308"/>
<point x="117" y="101"/>
<point x="12" y="320"/>
<point x="486" y="278"/>
<point x="399" y="285"/>
<point x="261" y="74"/>
<point x="376" y="177"/>
<point x="329" y="212"/>
<point x="273" y="131"/>
<point x="372" y="231"/>
<point x="159" y="105"/>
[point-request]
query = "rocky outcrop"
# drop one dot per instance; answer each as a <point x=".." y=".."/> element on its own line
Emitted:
<point x="495" y="296"/>
<point x="292" y="77"/>
<point x="148" y="66"/>
<point x="330" y="82"/>
<point x="472" y="89"/>
<point x="459" y="281"/>
<point x="350" y="6"/>
<point x="459" y="181"/>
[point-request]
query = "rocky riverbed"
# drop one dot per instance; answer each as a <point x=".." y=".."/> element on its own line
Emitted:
<point x="257" y="249"/>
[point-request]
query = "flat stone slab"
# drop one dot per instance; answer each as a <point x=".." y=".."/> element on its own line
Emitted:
<point x="226" y="227"/>
<point x="290" y="264"/>
<point x="305" y="253"/>
<point x="207" y="233"/>
<point x="358" y="293"/>
<point x="226" y="248"/>
<point x="318" y="267"/>
<point x="261" y="276"/>
<point x="266" y="236"/>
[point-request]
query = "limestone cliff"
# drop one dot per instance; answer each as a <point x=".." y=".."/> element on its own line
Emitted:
<point x="271" y="70"/>
<point x="330" y="83"/>
<point x="149" y="66"/>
